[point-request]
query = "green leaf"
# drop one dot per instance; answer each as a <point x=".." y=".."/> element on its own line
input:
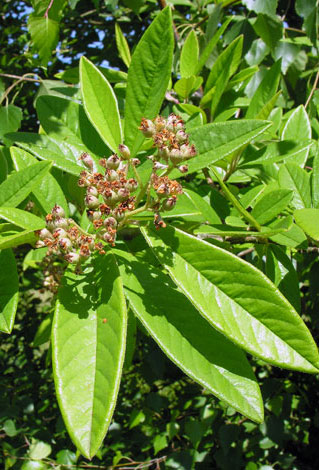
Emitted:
<point x="286" y="150"/>
<point x="271" y="204"/>
<point x="9" y="285"/>
<point x="63" y="155"/>
<point x="210" y="46"/>
<point x="103" y="113"/>
<point x="17" y="238"/>
<point x="229" y="59"/>
<point x="186" y="86"/>
<point x="43" y="333"/>
<point x="215" y="141"/>
<point x="88" y="349"/>
<point x="297" y="126"/>
<point x="237" y="299"/>
<point x="186" y="338"/>
<point x="241" y="76"/>
<point x="269" y="29"/>
<point x="19" y="185"/>
<point x="262" y="6"/>
<point x="44" y="32"/>
<point x="39" y="450"/>
<point x="66" y="120"/>
<point x="291" y="176"/>
<point x="315" y="180"/>
<point x="308" y="220"/>
<point x="281" y="272"/>
<point x="10" y="119"/>
<point x="148" y="77"/>
<point x="21" y="218"/>
<point x="208" y="212"/>
<point x="189" y="56"/>
<point x="48" y="192"/>
<point x="265" y="91"/>
<point x="122" y="46"/>
<point x="293" y="238"/>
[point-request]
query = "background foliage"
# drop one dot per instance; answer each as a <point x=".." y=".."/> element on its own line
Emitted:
<point x="160" y="412"/>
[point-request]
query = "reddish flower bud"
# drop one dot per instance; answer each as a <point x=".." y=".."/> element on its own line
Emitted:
<point x="110" y="222"/>
<point x="147" y="127"/>
<point x="59" y="233"/>
<point x="45" y="233"/>
<point x="92" y="191"/>
<point x="61" y="222"/>
<point x="183" y="168"/>
<point x="131" y="185"/>
<point x="65" y="244"/>
<point x="169" y="203"/>
<point x="181" y="136"/>
<point x="135" y="161"/>
<point x="159" y="166"/>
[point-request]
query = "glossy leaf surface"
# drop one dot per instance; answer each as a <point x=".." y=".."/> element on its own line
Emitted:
<point x="237" y="299"/>
<point x="9" y="285"/>
<point x="21" y="218"/>
<point x="48" y="192"/>
<point x="199" y="350"/>
<point x="148" y="77"/>
<point x="217" y="140"/>
<point x="271" y="204"/>
<point x="308" y="220"/>
<point x="19" y="185"/>
<point x="100" y="104"/>
<point x="189" y="55"/>
<point x="88" y="349"/>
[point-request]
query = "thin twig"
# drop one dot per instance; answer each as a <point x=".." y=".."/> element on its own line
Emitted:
<point x="313" y="89"/>
<point x="209" y="180"/>
<point x="245" y="252"/>
<point x="48" y="9"/>
<point x="24" y="78"/>
<point x="11" y="87"/>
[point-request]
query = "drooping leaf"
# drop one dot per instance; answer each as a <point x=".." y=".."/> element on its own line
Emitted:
<point x="48" y="192"/>
<point x="262" y="6"/>
<point x="19" y="185"/>
<point x="12" y="239"/>
<point x="44" y="32"/>
<point x="148" y="77"/>
<point x="237" y="299"/>
<point x="269" y="29"/>
<point x="9" y="285"/>
<point x="10" y="119"/>
<point x="189" y="56"/>
<point x="88" y="349"/>
<point x="200" y="351"/>
<point x="100" y="104"/>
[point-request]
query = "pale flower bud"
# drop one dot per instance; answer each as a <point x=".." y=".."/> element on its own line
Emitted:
<point x="124" y="151"/>
<point x="110" y="222"/>
<point x="87" y="160"/>
<point x="131" y="185"/>
<point x="159" y="166"/>
<point x="61" y="222"/>
<point x="58" y="211"/>
<point x="183" y="168"/>
<point x="92" y="191"/>
<point x="147" y="127"/>
<point x="135" y="161"/>
<point x="113" y="162"/>
<point x="91" y="202"/>
<point x="72" y="257"/>
<point x="65" y="244"/>
<point x="169" y="203"/>
<point x="45" y="233"/>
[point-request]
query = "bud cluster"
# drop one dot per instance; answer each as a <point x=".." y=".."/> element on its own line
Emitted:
<point x="108" y="196"/>
<point x="171" y="140"/>
<point x="64" y="239"/>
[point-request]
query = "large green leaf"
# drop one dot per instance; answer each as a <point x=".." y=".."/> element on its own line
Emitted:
<point x="88" y="349"/>
<point x="298" y="126"/>
<point x="200" y="351"/>
<point x="9" y="285"/>
<point x="148" y="77"/>
<point x="215" y="141"/>
<point x="237" y="299"/>
<point x="19" y="185"/>
<point x="122" y="46"/>
<point x="100" y="104"/>
<point x="48" y="192"/>
<point x="189" y="55"/>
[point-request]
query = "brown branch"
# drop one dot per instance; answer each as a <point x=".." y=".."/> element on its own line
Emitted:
<point x="8" y="75"/>
<point x="209" y="180"/>
<point x="313" y="89"/>
<point x="48" y="9"/>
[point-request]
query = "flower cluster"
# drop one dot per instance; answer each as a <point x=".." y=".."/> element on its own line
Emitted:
<point x="64" y="239"/>
<point x="108" y="196"/>
<point x="171" y="140"/>
<point x="109" y="199"/>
